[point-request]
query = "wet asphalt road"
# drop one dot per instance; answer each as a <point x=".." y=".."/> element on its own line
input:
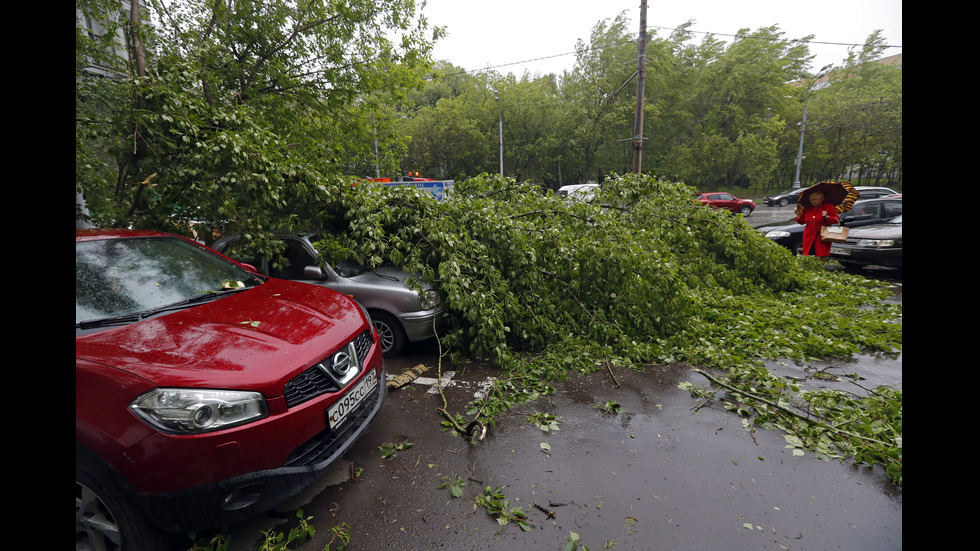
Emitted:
<point x="661" y="474"/>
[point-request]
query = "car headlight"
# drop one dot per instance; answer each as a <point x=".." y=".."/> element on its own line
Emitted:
<point x="428" y="299"/>
<point x="876" y="243"/>
<point x="776" y="234"/>
<point x="192" y="411"/>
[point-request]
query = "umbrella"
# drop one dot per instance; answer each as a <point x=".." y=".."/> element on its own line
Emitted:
<point x="840" y="194"/>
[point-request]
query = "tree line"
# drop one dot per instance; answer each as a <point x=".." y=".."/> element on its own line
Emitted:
<point x="716" y="114"/>
<point x="233" y="112"/>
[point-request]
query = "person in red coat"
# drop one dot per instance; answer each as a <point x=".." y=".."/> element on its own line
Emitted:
<point x="815" y="216"/>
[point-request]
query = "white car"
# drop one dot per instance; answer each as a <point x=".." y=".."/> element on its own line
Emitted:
<point x="874" y="192"/>
<point x="580" y="192"/>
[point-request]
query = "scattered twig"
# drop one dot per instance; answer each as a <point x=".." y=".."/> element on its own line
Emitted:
<point x="549" y="513"/>
<point x="611" y="374"/>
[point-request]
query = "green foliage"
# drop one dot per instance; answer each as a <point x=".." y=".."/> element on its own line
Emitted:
<point x="244" y="110"/>
<point x="830" y="424"/>
<point x="547" y="422"/>
<point x="498" y="506"/>
<point x="544" y="287"/>
<point x="573" y="543"/>
<point x="279" y="541"/>
<point x="391" y="450"/>
<point x="610" y="407"/>
<point x="455" y="484"/>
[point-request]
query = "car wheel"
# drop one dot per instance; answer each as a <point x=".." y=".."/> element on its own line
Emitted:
<point x="797" y="248"/>
<point x="390" y="333"/>
<point x="746" y="210"/>
<point x="783" y="202"/>
<point x="106" y="517"/>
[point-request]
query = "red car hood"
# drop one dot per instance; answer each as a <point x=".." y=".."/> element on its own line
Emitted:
<point x="256" y="339"/>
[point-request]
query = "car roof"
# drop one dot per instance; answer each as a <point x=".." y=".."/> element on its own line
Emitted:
<point x="895" y="197"/>
<point x="98" y="233"/>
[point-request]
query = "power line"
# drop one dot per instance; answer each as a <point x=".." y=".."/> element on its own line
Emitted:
<point x="490" y="67"/>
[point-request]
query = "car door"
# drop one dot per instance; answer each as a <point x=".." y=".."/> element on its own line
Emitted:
<point x="724" y="201"/>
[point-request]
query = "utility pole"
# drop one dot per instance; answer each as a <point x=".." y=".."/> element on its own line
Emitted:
<point x="641" y="71"/>
<point x="500" y="133"/>
<point x="806" y="101"/>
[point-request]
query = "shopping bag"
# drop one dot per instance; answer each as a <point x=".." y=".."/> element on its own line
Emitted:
<point x="833" y="234"/>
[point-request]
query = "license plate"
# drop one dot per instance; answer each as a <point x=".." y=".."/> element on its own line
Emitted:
<point x="840" y="250"/>
<point x="348" y="402"/>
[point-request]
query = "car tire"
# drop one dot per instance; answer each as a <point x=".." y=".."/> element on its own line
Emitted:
<point x="746" y="210"/>
<point x="390" y="333"/>
<point x="107" y="518"/>
<point x="797" y="248"/>
<point x="783" y="202"/>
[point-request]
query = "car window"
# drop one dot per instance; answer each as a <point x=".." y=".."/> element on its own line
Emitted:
<point x="892" y="208"/>
<point x="239" y="251"/>
<point x="871" y="209"/>
<point x="294" y="259"/>
<point x="864" y="211"/>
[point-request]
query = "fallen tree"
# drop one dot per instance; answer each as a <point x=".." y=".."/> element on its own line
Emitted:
<point x="542" y="286"/>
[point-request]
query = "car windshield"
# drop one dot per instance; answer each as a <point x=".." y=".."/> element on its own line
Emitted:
<point x="349" y="268"/>
<point x="127" y="276"/>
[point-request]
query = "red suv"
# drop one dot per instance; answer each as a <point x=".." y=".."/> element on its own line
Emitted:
<point x="205" y="393"/>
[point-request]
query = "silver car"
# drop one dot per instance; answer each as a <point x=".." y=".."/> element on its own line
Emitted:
<point x="400" y="314"/>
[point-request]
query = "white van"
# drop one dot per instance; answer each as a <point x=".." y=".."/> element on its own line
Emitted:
<point x="579" y="192"/>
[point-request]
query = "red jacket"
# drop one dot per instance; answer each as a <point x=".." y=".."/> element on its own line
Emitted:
<point x="813" y="219"/>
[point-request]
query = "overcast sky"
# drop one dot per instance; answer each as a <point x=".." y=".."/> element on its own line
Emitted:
<point x="512" y="36"/>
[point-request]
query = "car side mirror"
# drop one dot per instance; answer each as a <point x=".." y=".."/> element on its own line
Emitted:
<point x="314" y="272"/>
<point x="248" y="267"/>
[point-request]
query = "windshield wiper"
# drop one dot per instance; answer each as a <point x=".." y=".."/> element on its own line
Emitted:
<point x="126" y="319"/>
<point x="205" y="297"/>
<point x="109" y="322"/>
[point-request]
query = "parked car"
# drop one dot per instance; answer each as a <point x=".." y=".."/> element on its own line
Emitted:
<point x="863" y="213"/>
<point x="783" y="198"/>
<point x="727" y="201"/>
<point x="874" y="192"/>
<point x="399" y="313"/>
<point x="581" y="192"/>
<point x="874" y="245"/>
<point x="205" y="394"/>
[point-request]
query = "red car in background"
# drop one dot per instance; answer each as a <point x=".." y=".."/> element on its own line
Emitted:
<point x="727" y="201"/>
<point x="205" y="393"/>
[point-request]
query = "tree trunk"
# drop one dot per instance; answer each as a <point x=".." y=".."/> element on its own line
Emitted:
<point x="138" y="58"/>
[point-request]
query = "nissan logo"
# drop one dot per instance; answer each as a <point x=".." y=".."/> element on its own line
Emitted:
<point x="342" y="366"/>
<point x="341" y="363"/>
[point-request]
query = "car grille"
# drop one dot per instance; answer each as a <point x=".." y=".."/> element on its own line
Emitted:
<point x="314" y="381"/>
<point x="326" y="444"/>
